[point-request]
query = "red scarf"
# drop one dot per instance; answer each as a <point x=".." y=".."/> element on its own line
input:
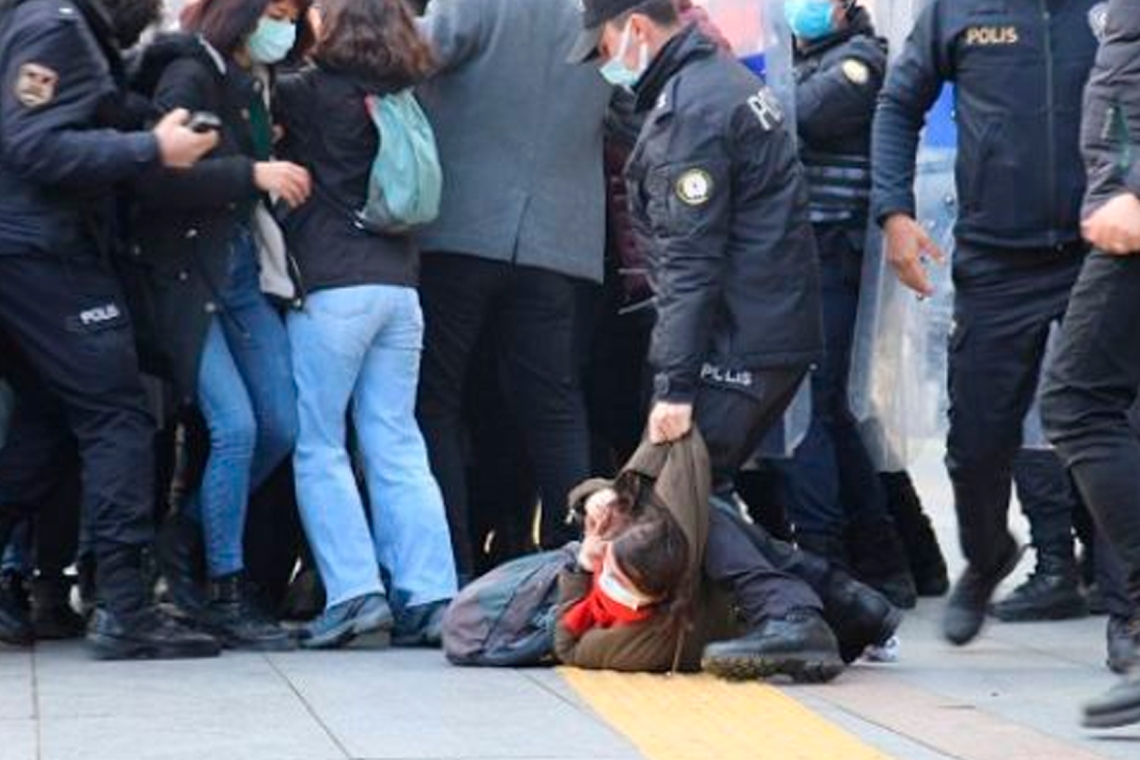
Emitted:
<point x="597" y="610"/>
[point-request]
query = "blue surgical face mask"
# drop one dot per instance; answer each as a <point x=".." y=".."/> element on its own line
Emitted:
<point x="272" y="40"/>
<point x="616" y="72"/>
<point x="810" y="19"/>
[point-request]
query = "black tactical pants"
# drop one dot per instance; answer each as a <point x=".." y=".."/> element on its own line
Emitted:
<point x="1089" y="392"/>
<point x="70" y="325"/>
<point x="1004" y="305"/>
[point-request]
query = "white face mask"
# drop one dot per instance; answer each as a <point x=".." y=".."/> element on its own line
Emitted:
<point x="616" y="72"/>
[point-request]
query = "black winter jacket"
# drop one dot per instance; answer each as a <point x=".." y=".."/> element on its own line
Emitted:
<point x="1110" y="133"/>
<point x="1019" y="68"/>
<point x="62" y="103"/>
<point x="838" y="79"/>
<point x="329" y="131"/>
<point x="184" y="221"/>
<point x="719" y="196"/>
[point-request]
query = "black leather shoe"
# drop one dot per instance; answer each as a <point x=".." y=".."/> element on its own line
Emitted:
<point x="799" y="645"/>
<point x="1123" y="637"/>
<point x="15" y="627"/>
<point x="53" y="617"/>
<point x="1052" y="592"/>
<point x="420" y="626"/>
<point x="235" y="621"/>
<point x="144" y="635"/>
<point x="859" y="615"/>
<point x="966" y="608"/>
<point x="1119" y="706"/>
<point x="340" y="624"/>
<point x="181" y="559"/>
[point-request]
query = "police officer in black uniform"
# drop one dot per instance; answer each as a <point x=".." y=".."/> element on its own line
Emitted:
<point x="64" y="144"/>
<point x="1091" y="387"/>
<point x="719" y="198"/>
<point x="1018" y="68"/>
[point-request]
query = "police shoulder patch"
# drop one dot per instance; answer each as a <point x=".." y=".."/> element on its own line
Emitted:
<point x="694" y="187"/>
<point x="856" y="71"/>
<point x="36" y="85"/>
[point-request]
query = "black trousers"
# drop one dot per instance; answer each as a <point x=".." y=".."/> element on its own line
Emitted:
<point x="1089" y="392"/>
<point x="733" y="422"/>
<point x="1048" y="499"/>
<point x="1004" y="305"/>
<point x="69" y="321"/>
<point x="532" y="312"/>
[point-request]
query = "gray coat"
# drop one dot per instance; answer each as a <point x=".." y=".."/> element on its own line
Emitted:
<point x="519" y="133"/>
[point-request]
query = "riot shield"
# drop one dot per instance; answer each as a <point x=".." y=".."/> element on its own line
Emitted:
<point x="899" y="358"/>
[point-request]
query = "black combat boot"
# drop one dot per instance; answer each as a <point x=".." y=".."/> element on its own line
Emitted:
<point x="1123" y="638"/>
<point x="53" y="617"/>
<point x="879" y="560"/>
<point x="927" y="564"/>
<point x="126" y="625"/>
<point x="1052" y="591"/>
<point x="181" y="557"/>
<point x="15" y="626"/>
<point x="799" y="645"/>
<point x="859" y="615"/>
<point x="234" y="619"/>
<point x="966" y="608"/>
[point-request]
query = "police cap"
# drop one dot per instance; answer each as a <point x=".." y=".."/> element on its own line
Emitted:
<point x="595" y="14"/>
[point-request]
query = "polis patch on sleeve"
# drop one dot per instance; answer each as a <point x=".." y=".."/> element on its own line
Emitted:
<point x="35" y="85"/>
<point x="856" y="71"/>
<point x="695" y="187"/>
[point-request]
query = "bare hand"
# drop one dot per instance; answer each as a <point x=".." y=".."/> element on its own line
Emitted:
<point x="180" y="147"/>
<point x="599" y="512"/>
<point x="591" y="553"/>
<point x="1115" y="227"/>
<point x="670" y="422"/>
<point x="908" y="246"/>
<point x="283" y="180"/>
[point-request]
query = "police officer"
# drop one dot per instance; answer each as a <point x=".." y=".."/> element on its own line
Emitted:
<point x="1091" y="386"/>
<point x="836" y="500"/>
<point x="718" y="195"/>
<point x="1018" y="68"/>
<point x="61" y="153"/>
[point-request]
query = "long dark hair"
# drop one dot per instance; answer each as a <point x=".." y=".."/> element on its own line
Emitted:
<point x="375" y="40"/>
<point x="225" y="24"/>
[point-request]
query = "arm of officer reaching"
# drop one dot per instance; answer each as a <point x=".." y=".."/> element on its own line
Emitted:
<point x="842" y="98"/>
<point x="52" y="81"/>
<point x="454" y="29"/>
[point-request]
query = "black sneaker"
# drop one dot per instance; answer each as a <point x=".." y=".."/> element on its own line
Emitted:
<point x="235" y="621"/>
<point x="859" y="615"/>
<point x="1052" y="592"/>
<point x="1123" y="638"/>
<point x="53" y="617"/>
<point x="420" y="626"/>
<point x="340" y="624"/>
<point x="1119" y="706"/>
<point x="799" y="645"/>
<point x="966" y="608"/>
<point x="146" y="635"/>
<point x="15" y="627"/>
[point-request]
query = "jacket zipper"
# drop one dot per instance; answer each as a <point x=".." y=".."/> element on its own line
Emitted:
<point x="1051" y="119"/>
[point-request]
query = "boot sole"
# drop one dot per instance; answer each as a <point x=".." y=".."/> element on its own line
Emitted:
<point x="110" y="648"/>
<point x="1072" y="610"/>
<point x="806" y="667"/>
<point x="377" y="627"/>
<point x="1115" y="719"/>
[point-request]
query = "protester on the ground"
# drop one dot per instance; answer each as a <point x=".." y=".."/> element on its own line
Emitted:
<point x="1018" y="78"/>
<point x="67" y="136"/>
<point x="521" y="224"/>
<point x="224" y="344"/>
<point x="357" y="344"/>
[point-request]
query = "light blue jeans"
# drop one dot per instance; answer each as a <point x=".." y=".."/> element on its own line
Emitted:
<point x="357" y="349"/>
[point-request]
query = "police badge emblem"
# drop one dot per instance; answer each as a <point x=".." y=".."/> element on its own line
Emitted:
<point x="35" y="85"/>
<point x="694" y="188"/>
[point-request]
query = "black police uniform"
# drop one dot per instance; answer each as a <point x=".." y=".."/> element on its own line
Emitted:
<point x="832" y="482"/>
<point x="1091" y="386"/>
<point x="60" y="155"/>
<point x="718" y="194"/>
<point x="1018" y="70"/>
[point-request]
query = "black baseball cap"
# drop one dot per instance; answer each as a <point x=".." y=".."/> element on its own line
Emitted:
<point x="595" y="14"/>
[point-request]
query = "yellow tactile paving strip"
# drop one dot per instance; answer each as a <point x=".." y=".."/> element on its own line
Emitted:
<point x="703" y="718"/>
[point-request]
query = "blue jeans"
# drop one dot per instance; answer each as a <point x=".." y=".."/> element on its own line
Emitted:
<point x="360" y="347"/>
<point x="245" y="392"/>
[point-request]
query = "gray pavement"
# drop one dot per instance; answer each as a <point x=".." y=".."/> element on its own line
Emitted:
<point x="1012" y="695"/>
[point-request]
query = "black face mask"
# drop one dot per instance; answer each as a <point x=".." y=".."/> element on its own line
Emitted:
<point x="130" y="18"/>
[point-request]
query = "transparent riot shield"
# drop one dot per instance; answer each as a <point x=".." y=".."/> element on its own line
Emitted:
<point x="760" y="38"/>
<point x="899" y="358"/>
